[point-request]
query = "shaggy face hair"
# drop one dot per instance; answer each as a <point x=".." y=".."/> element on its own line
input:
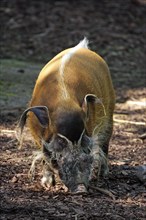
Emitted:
<point x="74" y="163"/>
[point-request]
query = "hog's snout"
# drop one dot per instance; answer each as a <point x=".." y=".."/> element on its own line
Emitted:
<point x="74" y="171"/>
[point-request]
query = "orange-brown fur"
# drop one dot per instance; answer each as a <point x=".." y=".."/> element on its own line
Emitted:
<point x="85" y="73"/>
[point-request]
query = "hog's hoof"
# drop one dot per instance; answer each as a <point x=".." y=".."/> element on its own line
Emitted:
<point x="47" y="181"/>
<point x="81" y="189"/>
<point x="46" y="184"/>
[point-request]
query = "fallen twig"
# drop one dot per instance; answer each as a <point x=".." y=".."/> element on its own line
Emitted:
<point x="104" y="191"/>
<point x="143" y="104"/>
<point x="7" y="131"/>
<point x="118" y="112"/>
<point x="129" y="122"/>
<point x="143" y="136"/>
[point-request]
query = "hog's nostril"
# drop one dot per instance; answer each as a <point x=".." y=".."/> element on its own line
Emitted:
<point x="80" y="189"/>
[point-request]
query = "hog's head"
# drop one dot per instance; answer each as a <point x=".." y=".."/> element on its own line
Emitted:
<point x="67" y="147"/>
<point x="73" y="161"/>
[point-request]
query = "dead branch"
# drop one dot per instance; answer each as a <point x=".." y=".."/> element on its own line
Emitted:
<point x="104" y="191"/>
<point x="129" y="122"/>
<point x="143" y="136"/>
<point x="143" y="104"/>
<point x="7" y="131"/>
<point x="121" y="112"/>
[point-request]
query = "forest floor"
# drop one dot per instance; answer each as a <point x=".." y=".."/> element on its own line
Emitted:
<point x="32" y="34"/>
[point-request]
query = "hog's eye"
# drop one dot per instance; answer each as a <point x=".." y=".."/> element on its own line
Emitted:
<point x="62" y="142"/>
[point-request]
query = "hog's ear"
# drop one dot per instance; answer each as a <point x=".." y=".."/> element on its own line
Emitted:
<point x="89" y="98"/>
<point x="41" y="112"/>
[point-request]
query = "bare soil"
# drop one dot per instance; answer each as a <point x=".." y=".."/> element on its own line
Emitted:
<point x="32" y="32"/>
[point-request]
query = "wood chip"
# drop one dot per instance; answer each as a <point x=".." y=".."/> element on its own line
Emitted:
<point x="14" y="179"/>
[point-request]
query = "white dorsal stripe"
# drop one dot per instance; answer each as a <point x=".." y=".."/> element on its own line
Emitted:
<point x="66" y="58"/>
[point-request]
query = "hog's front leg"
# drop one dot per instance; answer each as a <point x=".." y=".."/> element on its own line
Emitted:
<point x="48" y="179"/>
<point x="100" y="163"/>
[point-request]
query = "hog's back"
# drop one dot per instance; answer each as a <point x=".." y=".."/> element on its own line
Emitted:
<point x="84" y="73"/>
<point x="87" y="73"/>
